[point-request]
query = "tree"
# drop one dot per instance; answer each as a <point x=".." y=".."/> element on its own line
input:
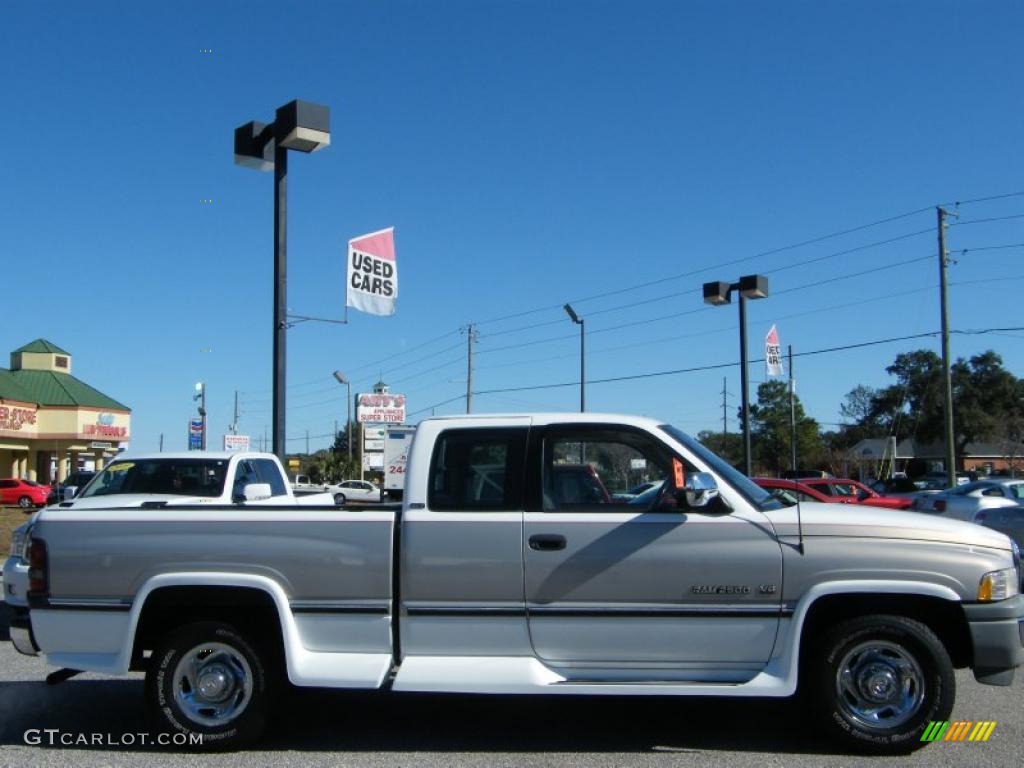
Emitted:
<point x="770" y="429"/>
<point x="729" y="446"/>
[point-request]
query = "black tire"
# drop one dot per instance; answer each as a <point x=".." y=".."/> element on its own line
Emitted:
<point x="339" y="499"/>
<point x="898" y="678"/>
<point x="25" y="502"/>
<point x="222" y="719"/>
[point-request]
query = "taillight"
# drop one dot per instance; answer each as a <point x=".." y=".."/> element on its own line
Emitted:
<point x="38" y="568"/>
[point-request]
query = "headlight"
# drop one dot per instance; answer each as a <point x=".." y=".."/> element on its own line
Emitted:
<point x="999" y="585"/>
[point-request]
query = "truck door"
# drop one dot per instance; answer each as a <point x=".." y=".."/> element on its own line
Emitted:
<point x="614" y="581"/>
<point x="462" y="561"/>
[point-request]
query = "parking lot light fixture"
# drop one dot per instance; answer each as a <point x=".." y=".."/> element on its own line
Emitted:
<point x="583" y="356"/>
<point x="303" y="127"/>
<point x="348" y="424"/>
<point x="719" y="293"/>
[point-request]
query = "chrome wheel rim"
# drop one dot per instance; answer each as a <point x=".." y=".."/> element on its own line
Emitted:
<point x="879" y="685"/>
<point x="212" y="684"/>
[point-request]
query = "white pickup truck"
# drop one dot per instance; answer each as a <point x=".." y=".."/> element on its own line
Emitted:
<point x="192" y="477"/>
<point x="158" y="480"/>
<point x="511" y="567"/>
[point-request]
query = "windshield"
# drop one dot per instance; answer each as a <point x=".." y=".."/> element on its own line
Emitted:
<point x="754" y="493"/>
<point x="182" y="477"/>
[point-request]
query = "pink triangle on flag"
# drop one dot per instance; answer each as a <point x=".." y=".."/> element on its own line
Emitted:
<point x="772" y="337"/>
<point x="380" y="244"/>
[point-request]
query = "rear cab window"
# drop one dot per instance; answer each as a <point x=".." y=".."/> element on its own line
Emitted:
<point x="477" y="469"/>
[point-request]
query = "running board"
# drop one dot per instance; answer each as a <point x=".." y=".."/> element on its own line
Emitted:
<point x="523" y="674"/>
<point x="650" y="683"/>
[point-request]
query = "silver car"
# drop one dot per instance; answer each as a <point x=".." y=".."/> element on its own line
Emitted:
<point x="965" y="501"/>
<point x="1008" y="520"/>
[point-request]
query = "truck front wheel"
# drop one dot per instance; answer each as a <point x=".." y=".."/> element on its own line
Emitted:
<point x="878" y="681"/>
<point x="207" y="687"/>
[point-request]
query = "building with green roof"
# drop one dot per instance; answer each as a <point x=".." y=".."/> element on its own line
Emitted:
<point x="52" y="423"/>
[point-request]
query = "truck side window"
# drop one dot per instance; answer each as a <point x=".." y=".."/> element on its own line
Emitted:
<point x="590" y="469"/>
<point x="268" y="472"/>
<point x="474" y="470"/>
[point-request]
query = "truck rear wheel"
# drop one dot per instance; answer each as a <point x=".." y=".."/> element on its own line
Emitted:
<point x="208" y="687"/>
<point x="876" y="682"/>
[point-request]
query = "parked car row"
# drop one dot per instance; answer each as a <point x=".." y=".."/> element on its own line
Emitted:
<point x="834" y="490"/>
<point x="996" y="503"/>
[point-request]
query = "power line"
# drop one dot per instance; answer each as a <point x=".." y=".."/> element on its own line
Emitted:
<point x="983" y="199"/>
<point x="965" y="251"/>
<point x="676" y="315"/>
<point x="740" y="260"/>
<point x="987" y="221"/>
<point x="711" y="367"/>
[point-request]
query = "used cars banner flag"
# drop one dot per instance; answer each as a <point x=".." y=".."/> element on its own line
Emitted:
<point x="773" y="353"/>
<point x="372" y="277"/>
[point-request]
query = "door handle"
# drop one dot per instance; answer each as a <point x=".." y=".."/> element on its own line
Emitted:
<point x="547" y="542"/>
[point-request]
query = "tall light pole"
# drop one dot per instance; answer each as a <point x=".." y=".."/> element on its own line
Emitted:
<point x="348" y="424"/>
<point x="304" y="127"/>
<point x="718" y="293"/>
<point x="583" y="356"/>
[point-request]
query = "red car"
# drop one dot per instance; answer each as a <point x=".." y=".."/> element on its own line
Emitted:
<point x="835" y="491"/>
<point x="25" y="493"/>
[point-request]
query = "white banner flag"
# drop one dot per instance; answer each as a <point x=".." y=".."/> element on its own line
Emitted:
<point x="372" y="277"/>
<point x="773" y="353"/>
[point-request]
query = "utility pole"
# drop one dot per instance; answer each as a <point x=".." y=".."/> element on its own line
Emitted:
<point x="947" y="381"/>
<point x="234" y="422"/>
<point x="161" y="442"/>
<point x="470" y="338"/>
<point x="307" y="442"/>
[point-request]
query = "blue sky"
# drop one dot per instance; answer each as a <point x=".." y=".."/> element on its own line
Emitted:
<point x="527" y="154"/>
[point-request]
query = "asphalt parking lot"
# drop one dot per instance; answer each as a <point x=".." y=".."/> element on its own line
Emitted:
<point x="319" y="727"/>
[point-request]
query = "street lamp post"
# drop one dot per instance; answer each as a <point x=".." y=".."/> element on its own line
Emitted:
<point x="583" y="357"/>
<point x="304" y="127"/>
<point x="348" y="424"/>
<point x="718" y="293"/>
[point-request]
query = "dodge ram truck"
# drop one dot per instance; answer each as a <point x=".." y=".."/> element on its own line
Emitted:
<point x="502" y="574"/>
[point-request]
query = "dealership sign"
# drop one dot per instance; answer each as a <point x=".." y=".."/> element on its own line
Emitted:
<point x="380" y="409"/>
<point x="12" y="419"/>
<point x="104" y="427"/>
<point x="372" y="274"/>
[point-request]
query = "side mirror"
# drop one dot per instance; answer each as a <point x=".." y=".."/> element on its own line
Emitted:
<point x="69" y="494"/>
<point x="700" y="489"/>
<point x="254" y="492"/>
